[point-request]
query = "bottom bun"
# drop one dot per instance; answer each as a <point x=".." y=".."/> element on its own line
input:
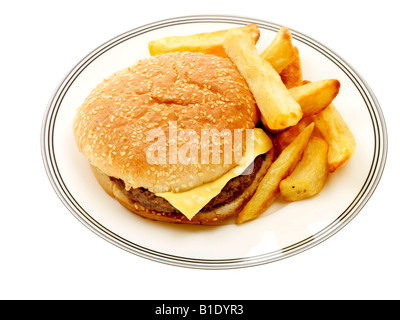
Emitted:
<point x="212" y="217"/>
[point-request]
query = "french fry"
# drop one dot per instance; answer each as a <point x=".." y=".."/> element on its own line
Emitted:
<point x="315" y="96"/>
<point x="284" y="138"/>
<point x="292" y="74"/>
<point x="337" y="134"/>
<point x="278" y="108"/>
<point x="268" y="188"/>
<point x="280" y="51"/>
<point x="310" y="174"/>
<point x="208" y="42"/>
<point x="312" y="97"/>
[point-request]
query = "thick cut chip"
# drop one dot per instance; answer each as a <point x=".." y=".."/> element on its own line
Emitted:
<point x="280" y="51"/>
<point x="315" y="96"/>
<point x="292" y="75"/>
<point x="337" y="134"/>
<point x="284" y="138"/>
<point x="278" y="108"/>
<point x="268" y="188"/>
<point x="310" y="174"/>
<point x="208" y="42"/>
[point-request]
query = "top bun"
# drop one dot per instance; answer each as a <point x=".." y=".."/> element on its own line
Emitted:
<point x="178" y="94"/>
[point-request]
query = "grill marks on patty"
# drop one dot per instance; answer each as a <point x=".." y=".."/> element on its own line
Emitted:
<point x="233" y="189"/>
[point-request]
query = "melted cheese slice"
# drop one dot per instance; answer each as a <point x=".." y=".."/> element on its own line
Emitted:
<point x="192" y="201"/>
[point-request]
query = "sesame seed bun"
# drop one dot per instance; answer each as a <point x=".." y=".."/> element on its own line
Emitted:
<point x="180" y="90"/>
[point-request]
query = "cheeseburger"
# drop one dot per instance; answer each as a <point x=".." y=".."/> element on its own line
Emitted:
<point x="168" y="138"/>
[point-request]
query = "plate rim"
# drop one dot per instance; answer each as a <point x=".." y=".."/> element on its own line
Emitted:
<point x="365" y="193"/>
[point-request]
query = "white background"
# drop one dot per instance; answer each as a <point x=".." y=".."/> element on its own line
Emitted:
<point x="46" y="253"/>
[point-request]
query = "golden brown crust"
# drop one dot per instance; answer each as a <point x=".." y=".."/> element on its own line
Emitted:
<point x="205" y="218"/>
<point x="292" y="75"/>
<point x="192" y="90"/>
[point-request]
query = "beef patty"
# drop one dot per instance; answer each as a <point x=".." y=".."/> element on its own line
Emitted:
<point x="233" y="189"/>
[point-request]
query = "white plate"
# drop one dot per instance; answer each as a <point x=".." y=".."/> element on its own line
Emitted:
<point x="283" y="230"/>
